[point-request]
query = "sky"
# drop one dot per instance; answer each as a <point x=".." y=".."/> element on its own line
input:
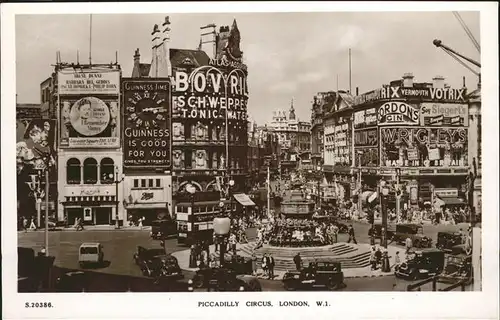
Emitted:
<point x="289" y="55"/>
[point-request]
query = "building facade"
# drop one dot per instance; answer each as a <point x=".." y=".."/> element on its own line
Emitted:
<point x="89" y="144"/>
<point x="320" y="101"/>
<point x="416" y="137"/>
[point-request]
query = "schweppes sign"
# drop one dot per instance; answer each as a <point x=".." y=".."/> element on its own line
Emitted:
<point x="398" y="113"/>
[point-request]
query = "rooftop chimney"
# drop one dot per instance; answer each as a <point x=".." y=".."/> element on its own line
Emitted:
<point x="136" y="70"/>
<point x="161" y="66"/>
<point x="357" y="91"/>
<point x="408" y="80"/>
<point x="438" y="82"/>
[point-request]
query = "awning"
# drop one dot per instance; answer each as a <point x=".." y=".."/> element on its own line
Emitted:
<point x="243" y="199"/>
<point x="453" y="201"/>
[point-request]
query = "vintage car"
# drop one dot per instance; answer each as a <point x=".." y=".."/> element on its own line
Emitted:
<point x="156" y="263"/>
<point x="447" y="240"/>
<point x="73" y="281"/>
<point x="457" y="268"/>
<point x="224" y="279"/>
<point x="377" y="231"/>
<point x="421" y="264"/>
<point x="321" y="274"/>
<point x="161" y="229"/>
<point x="91" y="253"/>
<point x="413" y="231"/>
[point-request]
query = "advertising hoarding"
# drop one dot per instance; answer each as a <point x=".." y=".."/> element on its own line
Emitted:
<point x="423" y="147"/>
<point x="398" y="113"/>
<point x="415" y="94"/>
<point x="88" y="82"/>
<point x="366" y="138"/>
<point x="367" y="157"/>
<point x="440" y="114"/>
<point x="147" y="123"/>
<point x="89" y="122"/>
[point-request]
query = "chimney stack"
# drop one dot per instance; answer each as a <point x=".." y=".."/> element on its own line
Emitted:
<point x="463" y="82"/>
<point x="136" y="70"/>
<point x="408" y="80"/>
<point x="357" y="91"/>
<point x="438" y="82"/>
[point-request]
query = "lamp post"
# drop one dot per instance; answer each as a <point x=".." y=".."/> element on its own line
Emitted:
<point x="230" y="194"/>
<point x="222" y="226"/>
<point x="116" y="182"/>
<point x="360" y="205"/>
<point x="318" y="169"/>
<point x="398" y="194"/>
<point x="384" y="190"/>
<point x="192" y="257"/>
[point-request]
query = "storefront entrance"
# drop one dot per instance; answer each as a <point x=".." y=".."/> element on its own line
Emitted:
<point x="102" y="215"/>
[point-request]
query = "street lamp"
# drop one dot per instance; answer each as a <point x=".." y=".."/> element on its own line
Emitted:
<point x="318" y="169"/>
<point x="116" y="182"/>
<point x="230" y="194"/>
<point x="222" y="226"/>
<point x="385" y="257"/>
<point x="192" y="257"/>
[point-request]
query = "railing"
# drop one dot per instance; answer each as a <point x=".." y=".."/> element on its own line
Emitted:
<point x="417" y="286"/>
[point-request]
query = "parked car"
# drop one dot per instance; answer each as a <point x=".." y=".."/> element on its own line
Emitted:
<point x="156" y="263"/>
<point x="377" y="231"/>
<point x="323" y="274"/>
<point x="413" y="231"/>
<point x="421" y="264"/>
<point x="161" y="229"/>
<point x="224" y="279"/>
<point x="90" y="253"/>
<point x="446" y="240"/>
<point x="457" y="268"/>
<point x="73" y="281"/>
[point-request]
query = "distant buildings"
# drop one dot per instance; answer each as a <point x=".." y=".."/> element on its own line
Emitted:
<point x="27" y="111"/>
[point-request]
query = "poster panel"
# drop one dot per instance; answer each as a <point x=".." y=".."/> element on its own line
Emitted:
<point x="88" y="82"/>
<point x="147" y="123"/>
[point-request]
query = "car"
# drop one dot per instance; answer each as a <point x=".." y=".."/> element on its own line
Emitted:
<point x="458" y="267"/>
<point x="446" y="240"/>
<point x="157" y="263"/>
<point x="73" y="281"/>
<point x="90" y="253"/>
<point x="321" y="274"/>
<point x="376" y="229"/>
<point x="224" y="279"/>
<point x="422" y="263"/>
<point x="161" y="229"/>
<point x="413" y="231"/>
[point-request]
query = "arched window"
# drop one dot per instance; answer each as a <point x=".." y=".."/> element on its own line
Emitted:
<point x="73" y="172"/>
<point x="90" y="171"/>
<point x="107" y="171"/>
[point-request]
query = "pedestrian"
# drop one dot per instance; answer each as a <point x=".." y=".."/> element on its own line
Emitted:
<point x="140" y="222"/>
<point x="264" y="265"/>
<point x="232" y="242"/>
<point x="216" y="242"/>
<point x="298" y="261"/>
<point x="373" y="261"/>
<point x="378" y="257"/>
<point x="397" y="260"/>
<point x="352" y="236"/>
<point x="32" y="224"/>
<point x="335" y="233"/>
<point x="66" y="221"/>
<point x="79" y="224"/>
<point x="271" y="266"/>
<point x="25" y="224"/>
<point x="254" y="264"/>
<point x="408" y="244"/>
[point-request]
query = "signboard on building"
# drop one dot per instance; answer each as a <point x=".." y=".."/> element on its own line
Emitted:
<point x="89" y="122"/>
<point x="72" y="82"/>
<point x="208" y="91"/>
<point x="367" y="157"/>
<point x="398" y="113"/>
<point x="440" y="114"/>
<point x="35" y="140"/>
<point x="147" y="123"/>
<point x="416" y="94"/>
<point x="366" y="138"/>
<point x="423" y="147"/>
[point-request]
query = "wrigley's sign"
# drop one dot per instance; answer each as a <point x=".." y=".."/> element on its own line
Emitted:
<point x="420" y="94"/>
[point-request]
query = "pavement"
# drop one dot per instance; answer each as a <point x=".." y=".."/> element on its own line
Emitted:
<point x="243" y="249"/>
<point x="94" y="228"/>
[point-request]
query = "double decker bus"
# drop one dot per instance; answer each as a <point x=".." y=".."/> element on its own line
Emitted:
<point x="195" y="220"/>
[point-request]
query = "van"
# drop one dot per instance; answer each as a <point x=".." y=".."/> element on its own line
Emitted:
<point x="90" y="253"/>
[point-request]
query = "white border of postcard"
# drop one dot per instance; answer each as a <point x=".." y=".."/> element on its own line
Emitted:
<point x="468" y="305"/>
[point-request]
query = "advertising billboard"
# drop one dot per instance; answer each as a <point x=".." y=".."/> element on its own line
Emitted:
<point x="423" y="147"/>
<point x="208" y="91"/>
<point x="147" y="123"/>
<point x="398" y="113"/>
<point x="35" y="141"/>
<point x="87" y="82"/>
<point x="366" y="138"/>
<point x="389" y="93"/>
<point x="440" y="114"/>
<point x="89" y="122"/>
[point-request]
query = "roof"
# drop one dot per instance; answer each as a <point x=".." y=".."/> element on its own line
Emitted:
<point x="197" y="57"/>
<point x="90" y="244"/>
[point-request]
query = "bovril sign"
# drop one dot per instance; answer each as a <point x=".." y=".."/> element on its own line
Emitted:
<point x="398" y="113"/>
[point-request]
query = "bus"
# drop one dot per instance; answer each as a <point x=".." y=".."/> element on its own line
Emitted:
<point x="196" y="223"/>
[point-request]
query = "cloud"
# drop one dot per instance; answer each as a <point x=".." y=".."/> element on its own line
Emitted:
<point x="284" y="87"/>
<point x="313" y="76"/>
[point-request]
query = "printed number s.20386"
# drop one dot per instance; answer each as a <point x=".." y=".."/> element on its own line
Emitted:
<point x="38" y="305"/>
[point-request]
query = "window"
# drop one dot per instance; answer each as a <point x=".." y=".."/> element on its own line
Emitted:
<point x="187" y="130"/>
<point x="90" y="171"/>
<point x="143" y="183"/>
<point x="136" y="183"/>
<point x="188" y="158"/>
<point x="73" y="171"/>
<point x="150" y="183"/>
<point x="158" y="183"/>
<point x="107" y="171"/>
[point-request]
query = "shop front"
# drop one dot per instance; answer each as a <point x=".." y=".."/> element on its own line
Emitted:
<point x="148" y="198"/>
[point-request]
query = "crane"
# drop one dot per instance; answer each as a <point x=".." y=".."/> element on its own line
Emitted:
<point x="456" y="55"/>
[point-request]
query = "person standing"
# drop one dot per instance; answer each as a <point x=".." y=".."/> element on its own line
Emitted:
<point x="264" y="265"/>
<point x="373" y="260"/>
<point x="298" y="261"/>
<point x="254" y="264"/>
<point x="397" y="260"/>
<point x="25" y="224"/>
<point x="335" y="233"/>
<point x="352" y="236"/>
<point x="32" y="224"/>
<point x="271" y="266"/>
<point x="408" y="244"/>
<point x="232" y="242"/>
